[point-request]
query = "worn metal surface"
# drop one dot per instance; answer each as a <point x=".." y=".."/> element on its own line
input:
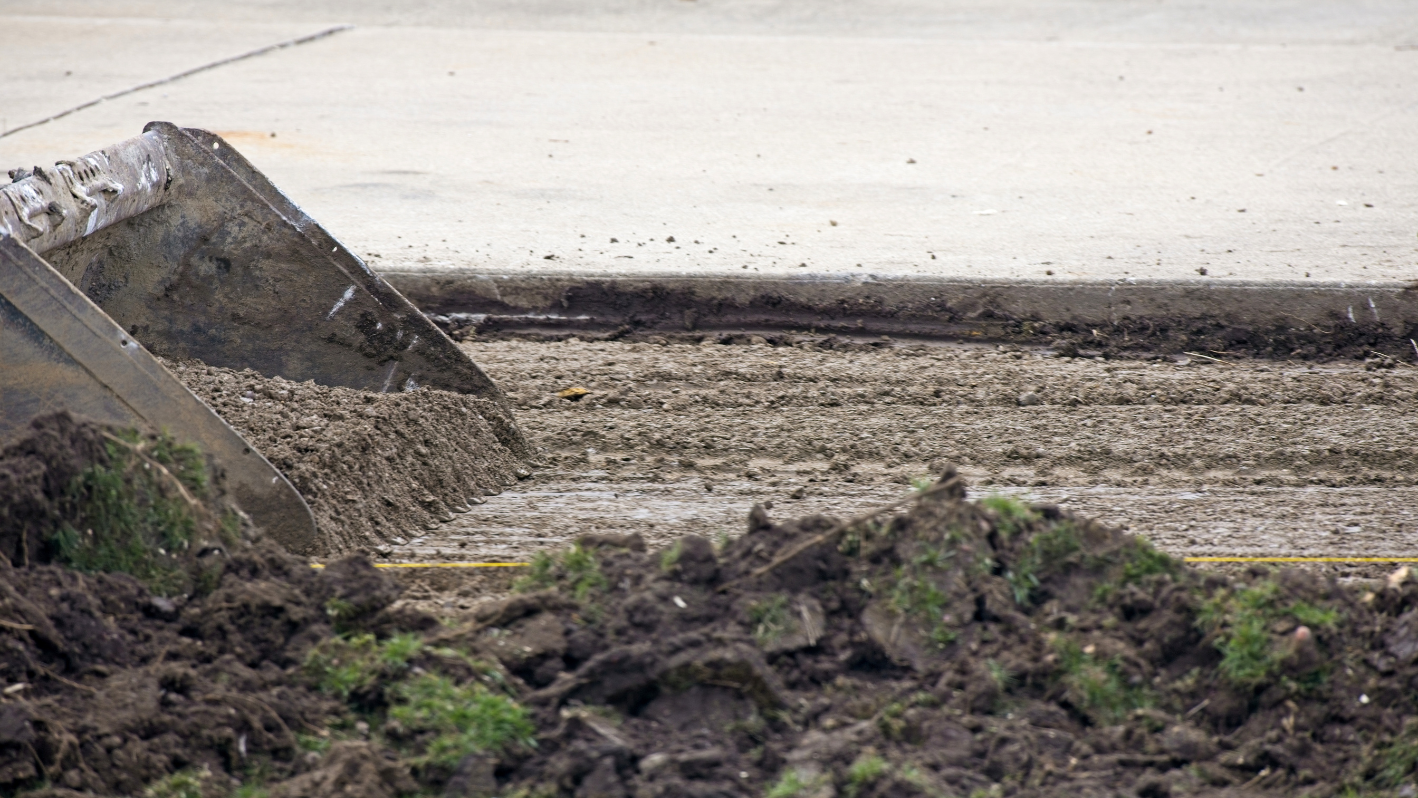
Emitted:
<point x="58" y="351"/>
<point x="219" y="265"/>
<point x="48" y="208"/>
<point x="172" y="240"/>
<point x="227" y="270"/>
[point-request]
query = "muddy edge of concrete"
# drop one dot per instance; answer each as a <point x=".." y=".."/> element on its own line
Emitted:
<point x="1263" y="319"/>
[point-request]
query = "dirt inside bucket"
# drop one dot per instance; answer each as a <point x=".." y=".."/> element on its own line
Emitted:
<point x="935" y="647"/>
<point x="373" y="467"/>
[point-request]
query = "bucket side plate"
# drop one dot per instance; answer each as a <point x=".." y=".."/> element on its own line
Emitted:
<point x="59" y="351"/>
<point x="231" y="272"/>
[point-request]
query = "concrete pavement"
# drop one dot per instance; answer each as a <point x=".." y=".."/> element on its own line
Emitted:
<point x="1041" y="141"/>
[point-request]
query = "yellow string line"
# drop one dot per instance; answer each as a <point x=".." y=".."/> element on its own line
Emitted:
<point x="440" y="564"/>
<point x="1300" y="559"/>
<point x="1184" y="559"/>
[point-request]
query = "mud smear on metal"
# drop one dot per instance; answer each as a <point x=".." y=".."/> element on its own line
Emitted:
<point x="1274" y="320"/>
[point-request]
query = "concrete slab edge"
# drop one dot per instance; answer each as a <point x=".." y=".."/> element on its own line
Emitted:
<point x="1279" y="319"/>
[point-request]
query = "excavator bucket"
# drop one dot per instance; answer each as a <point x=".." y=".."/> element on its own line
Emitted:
<point x="176" y="242"/>
<point x="58" y="351"/>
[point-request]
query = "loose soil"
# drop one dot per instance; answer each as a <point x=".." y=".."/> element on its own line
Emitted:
<point x="954" y="648"/>
<point x="1205" y="458"/>
<point x="107" y="688"/>
<point x="937" y="647"/>
<point x="372" y="466"/>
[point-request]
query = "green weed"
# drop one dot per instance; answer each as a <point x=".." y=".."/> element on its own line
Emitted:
<point x="575" y="568"/>
<point x="1391" y="764"/>
<point x="915" y="594"/>
<point x="770" y="618"/>
<point x="312" y="742"/>
<point x="1014" y="515"/>
<point x="182" y="784"/>
<point x="346" y="667"/>
<point x="669" y="558"/>
<point x="864" y="772"/>
<point x="1317" y="617"/>
<point x="463" y="719"/>
<point x="1099" y="689"/>
<point x="1141" y="559"/>
<point x="448" y="719"/>
<point x="722" y="539"/>
<point x="790" y="784"/>
<point x="1042" y="553"/>
<point x="135" y="512"/>
<point x="1241" y="621"/>
<point x="1003" y="678"/>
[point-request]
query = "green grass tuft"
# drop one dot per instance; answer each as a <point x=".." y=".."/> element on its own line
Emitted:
<point x="865" y="771"/>
<point x="182" y="784"/>
<point x="770" y="618"/>
<point x="1044" y="552"/>
<point x="347" y="667"/>
<point x="915" y="594"/>
<point x="575" y="568"/>
<point x="1241" y="618"/>
<point x="669" y="558"/>
<point x="790" y="784"/>
<point x="463" y="718"/>
<point x="1014" y="515"/>
<point x="1099" y="689"/>
<point x="136" y="512"/>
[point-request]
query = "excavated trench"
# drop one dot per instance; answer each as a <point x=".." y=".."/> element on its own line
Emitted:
<point x="1207" y="456"/>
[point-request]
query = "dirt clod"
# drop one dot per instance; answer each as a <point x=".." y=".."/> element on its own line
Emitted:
<point x="952" y="647"/>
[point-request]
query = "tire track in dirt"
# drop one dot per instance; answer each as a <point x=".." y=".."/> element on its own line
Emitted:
<point x="1207" y="458"/>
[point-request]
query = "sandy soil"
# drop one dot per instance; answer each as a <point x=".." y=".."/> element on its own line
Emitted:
<point x="1267" y="458"/>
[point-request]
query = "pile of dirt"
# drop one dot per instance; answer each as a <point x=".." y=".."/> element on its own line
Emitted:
<point x="154" y="501"/>
<point x="955" y="648"/>
<point x="110" y="688"/>
<point x="936" y="647"/>
<point x="374" y="467"/>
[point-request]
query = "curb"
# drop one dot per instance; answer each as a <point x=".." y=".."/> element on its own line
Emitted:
<point x="1277" y="319"/>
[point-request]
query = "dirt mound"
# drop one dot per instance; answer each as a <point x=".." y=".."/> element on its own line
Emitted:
<point x="157" y="510"/>
<point x="374" y="467"/>
<point x="937" y="647"/>
<point x="228" y="684"/>
<point x="952" y="648"/>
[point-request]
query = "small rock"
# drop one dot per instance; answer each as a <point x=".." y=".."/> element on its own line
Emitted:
<point x="1187" y="743"/>
<point x="1029" y="399"/>
<point x="473" y="778"/>
<point x="161" y="608"/>
<point x="603" y="782"/>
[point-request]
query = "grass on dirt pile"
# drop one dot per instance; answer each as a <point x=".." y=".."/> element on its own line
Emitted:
<point x="138" y="511"/>
<point x="110" y="500"/>
<point x="940" y="647"/>
<point x="435" y="705"/>
<point x="952" y="648"/>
